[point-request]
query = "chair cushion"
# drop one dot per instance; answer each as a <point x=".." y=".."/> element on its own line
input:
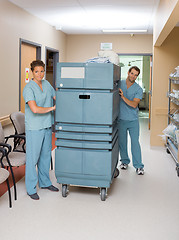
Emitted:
<point x="16" y="159"/>
<point x="4" y="174"/>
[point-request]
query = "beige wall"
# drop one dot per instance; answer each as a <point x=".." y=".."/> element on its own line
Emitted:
<point x="16" y="23"/>
<point x="167" y="17"/>
<point x="82" y="47"/>
<point x="165" y="59"/>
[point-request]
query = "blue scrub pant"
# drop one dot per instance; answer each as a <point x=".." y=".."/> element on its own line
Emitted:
<point x="132" y="127"/>
<point x="38" y="153"/>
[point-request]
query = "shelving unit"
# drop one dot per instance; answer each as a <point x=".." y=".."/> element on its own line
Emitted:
<point x="172" y="146"/>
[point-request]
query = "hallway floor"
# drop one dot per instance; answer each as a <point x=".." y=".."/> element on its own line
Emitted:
<point x="137" y="207"/>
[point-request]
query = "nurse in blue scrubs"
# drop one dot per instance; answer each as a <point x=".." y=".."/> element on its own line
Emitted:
<point x="128" y="122"/>
<point x="38" y="95"/>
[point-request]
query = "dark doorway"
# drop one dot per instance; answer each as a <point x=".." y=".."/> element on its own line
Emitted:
<point x="52" y="57"/>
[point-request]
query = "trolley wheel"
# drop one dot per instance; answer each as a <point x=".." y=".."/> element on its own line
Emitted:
<point x="177" y="168"/>
<point x="103" y="194"/>
<point x="64" y="190"/>
<point x="167" y="151"/>
<point x="116" y="173"/>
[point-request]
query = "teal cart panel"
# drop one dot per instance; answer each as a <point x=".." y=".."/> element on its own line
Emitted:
<point x="87" y="107"/>
<point x="85" y="128"/>
<point x="87" y="75"/>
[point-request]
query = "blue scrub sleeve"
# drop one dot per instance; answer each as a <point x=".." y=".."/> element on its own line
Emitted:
<point x="139" y="94"/>
<point x="28" y="94"/>
<point x="53" y="92"/>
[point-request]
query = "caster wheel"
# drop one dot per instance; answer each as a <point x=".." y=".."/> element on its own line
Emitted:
<point x="103" y="194"/>
<point x="64" y="190"/>
<point x="177" y="168"/>
<point x="116" y="174"/>
<point x="167" y="151"/>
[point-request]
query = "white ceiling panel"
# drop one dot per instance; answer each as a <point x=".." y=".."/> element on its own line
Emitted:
<point x="93" y="16"/>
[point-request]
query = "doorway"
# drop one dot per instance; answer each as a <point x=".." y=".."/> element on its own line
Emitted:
<point x="29" y="51"/>
<point x="52" y="57"/>
<point x="144" y="63"/>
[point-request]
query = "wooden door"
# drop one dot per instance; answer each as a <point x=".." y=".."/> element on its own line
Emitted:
<point x="28" y="54"/>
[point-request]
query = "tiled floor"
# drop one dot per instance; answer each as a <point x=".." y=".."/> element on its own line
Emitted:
<point x="137" y="207"/>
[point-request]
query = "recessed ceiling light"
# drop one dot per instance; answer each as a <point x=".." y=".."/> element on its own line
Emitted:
<point x="124" y="31"/>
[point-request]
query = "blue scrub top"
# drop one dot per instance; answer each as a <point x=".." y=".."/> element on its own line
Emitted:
<point x="126" y="112"/>
<point x="35" y="121"/>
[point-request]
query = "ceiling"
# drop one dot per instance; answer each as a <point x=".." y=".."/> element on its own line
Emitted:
<point x="92" y="16"/>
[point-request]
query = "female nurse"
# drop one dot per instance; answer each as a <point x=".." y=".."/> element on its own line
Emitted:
<point x="38" y="95"/>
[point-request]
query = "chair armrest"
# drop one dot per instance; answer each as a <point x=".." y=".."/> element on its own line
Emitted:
<point x="3" y="150"/>
<point x="15" y="136"/>
<point x="8" y="146"/>
<point x="4" y="154"/>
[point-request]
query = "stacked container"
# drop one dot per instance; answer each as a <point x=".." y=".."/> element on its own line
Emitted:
<point x="87" y="105"/>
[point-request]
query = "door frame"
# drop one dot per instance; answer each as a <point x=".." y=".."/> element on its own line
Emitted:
<point x="150" y="80"/>
<point x="55" y="60"/>
<point x="38" y="56"/>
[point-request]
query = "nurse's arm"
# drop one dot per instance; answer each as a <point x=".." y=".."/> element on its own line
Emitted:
<point x="36" y="109"/>
<point x="134" y="103"/>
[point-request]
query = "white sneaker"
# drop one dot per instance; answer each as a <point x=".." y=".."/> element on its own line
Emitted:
<point x="140" y="171"/>
<point x="123" y="166"/>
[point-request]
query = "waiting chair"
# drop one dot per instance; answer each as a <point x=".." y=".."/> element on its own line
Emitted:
<point x="18" y="121"/>
<point x="4" y="175"/>
<point x="11" y="159"/>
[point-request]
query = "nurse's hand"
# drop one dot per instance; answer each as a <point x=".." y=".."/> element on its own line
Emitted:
<point x="121" y="92"/>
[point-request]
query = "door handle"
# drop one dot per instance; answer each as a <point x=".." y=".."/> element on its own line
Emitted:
<point x="84" y="96"/>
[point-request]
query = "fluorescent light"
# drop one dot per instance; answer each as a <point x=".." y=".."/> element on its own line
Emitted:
<point x="124" y="31"/>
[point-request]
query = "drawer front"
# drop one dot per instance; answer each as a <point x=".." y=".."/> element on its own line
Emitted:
<point x="84" y="144"/>
<point x="86" y="136"/>
<point x="86" y="162"/>
<point x="86" y="107"/>
<point x="84" y="128"/>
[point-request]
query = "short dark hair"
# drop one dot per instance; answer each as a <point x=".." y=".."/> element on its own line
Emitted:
<point x="37" y="63"/>
<point x="136" y="68"/>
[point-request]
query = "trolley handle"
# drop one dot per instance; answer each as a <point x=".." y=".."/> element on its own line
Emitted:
<point x="84" y="96"/>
